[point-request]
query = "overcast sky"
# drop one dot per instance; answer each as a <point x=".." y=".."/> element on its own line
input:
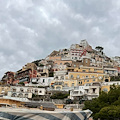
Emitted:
<point x="32" y="29"/>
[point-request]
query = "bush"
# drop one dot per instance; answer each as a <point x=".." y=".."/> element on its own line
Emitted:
<point x="59" y="95"/>
<point x="106" y="106"/>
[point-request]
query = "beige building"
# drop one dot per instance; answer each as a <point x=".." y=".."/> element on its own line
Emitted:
<point x="83" y="77"/>
<point x="105" y="86"/>
<point x="22" y="93"/>
<point x="29" y="66"/>
<point x="79" y="77"/>
<point x="10" y="103"/>
<point x="4" y="90"/>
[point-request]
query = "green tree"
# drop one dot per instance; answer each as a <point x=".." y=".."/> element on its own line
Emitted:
<point x="107" y="105"/>
<point x="109" y="113"/>
<point x="59" y="95"/>
<point x="99" y="48"/>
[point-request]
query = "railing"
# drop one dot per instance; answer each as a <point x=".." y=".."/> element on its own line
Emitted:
<point x="63" y="89"/>
<point x="17" y="98"/>
<point x="78" y="94"/>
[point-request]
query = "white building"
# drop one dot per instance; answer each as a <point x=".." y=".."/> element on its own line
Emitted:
<point x="60" y="75"/>
<point x="88" y="91"/>
<point x="76" y="52"/>
<point x="42" y="81"/>
<point x="111" y="71"/>
<point x="84" y="43"/>
<point x="22" y="93"/>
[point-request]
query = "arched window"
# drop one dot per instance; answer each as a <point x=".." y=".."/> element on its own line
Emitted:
<point x="36" y="91"/>
<point x="14" y="95"/>
<point x="29" y="90"/>
<point x="26" y="95"/>
<point x="20" y="95"/>
<point x="14" y="89"/>
<point x="105" y="90"/>
<point x="21" y="90"/>
<point x="58" y="88"/>
<point x="106" y="80"/>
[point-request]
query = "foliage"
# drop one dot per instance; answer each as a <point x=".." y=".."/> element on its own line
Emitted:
<point x="51" y="74"/>
<point x="36" y="62"/>
<point x="69" y="101"/>
<point x="115" y="78"/>
<point x="99" y="48"/>
<point x="107" y="105"/>
<point x="41" y="87"/>
<point x="59" y="95"/>
<point x="21" y="83"/>
<point x="40" y="65"/>
<point x="109" y="113"/>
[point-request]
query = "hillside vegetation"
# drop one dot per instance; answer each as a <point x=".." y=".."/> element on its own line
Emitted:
<point x="106" y="106"/>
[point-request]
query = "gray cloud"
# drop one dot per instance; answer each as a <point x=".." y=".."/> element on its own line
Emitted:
<point x="30" y="30"/>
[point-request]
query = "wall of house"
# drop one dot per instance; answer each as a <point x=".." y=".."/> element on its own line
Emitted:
<point x="84" y="78"/>
<point x="11" y="102"/>
<point x="62" y="62"/>
<point x="89" y="69"/>
<point x="105" y="88"/>
<point x="4" y="90"/>
<point x="55" y="58"/>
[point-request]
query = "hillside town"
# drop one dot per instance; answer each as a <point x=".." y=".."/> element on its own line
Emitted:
<point x="68" y="76"/>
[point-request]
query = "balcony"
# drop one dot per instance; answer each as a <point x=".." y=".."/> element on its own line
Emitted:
<point x="77" y="93"/>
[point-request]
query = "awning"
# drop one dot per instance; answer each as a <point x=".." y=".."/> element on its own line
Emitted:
<point x="24" y="114"/>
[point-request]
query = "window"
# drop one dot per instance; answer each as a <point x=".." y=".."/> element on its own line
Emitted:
<point x="74" y="65"/>
<point x="84" y="71"/>
<point x="36" y="91"/>
<point x="21" y="90"/>
<point x="62" y="77"/>
<point x="72" y="84"/>
<point x="43" y="80"/>
<point x="105" y="90"/>
<point x="66" y="85"/>
<point x="87" y="80"/>
<point x="113" y="72"/>
<point x="93" y="79"/>
<point x="86" y="90"/>
<point x="71" y="76"/>
<point x="93" y="90"/>
<point x="26" y="95"/>
<point x="80" y="82"/>
<point x="40" y="91"/>
<point x="95" y="70"/>
<point x="58" y="87"/>
<point x="14" y="89"/>
<point x="86" y="76"/>
<point x="78" y="76"/>
<point x="81" y="92"/>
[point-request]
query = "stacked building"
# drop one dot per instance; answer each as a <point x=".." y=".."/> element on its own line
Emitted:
<point x="80" y="69"/>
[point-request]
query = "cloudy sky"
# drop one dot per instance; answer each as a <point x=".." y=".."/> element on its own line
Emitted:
<point x="31" y="29"/>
